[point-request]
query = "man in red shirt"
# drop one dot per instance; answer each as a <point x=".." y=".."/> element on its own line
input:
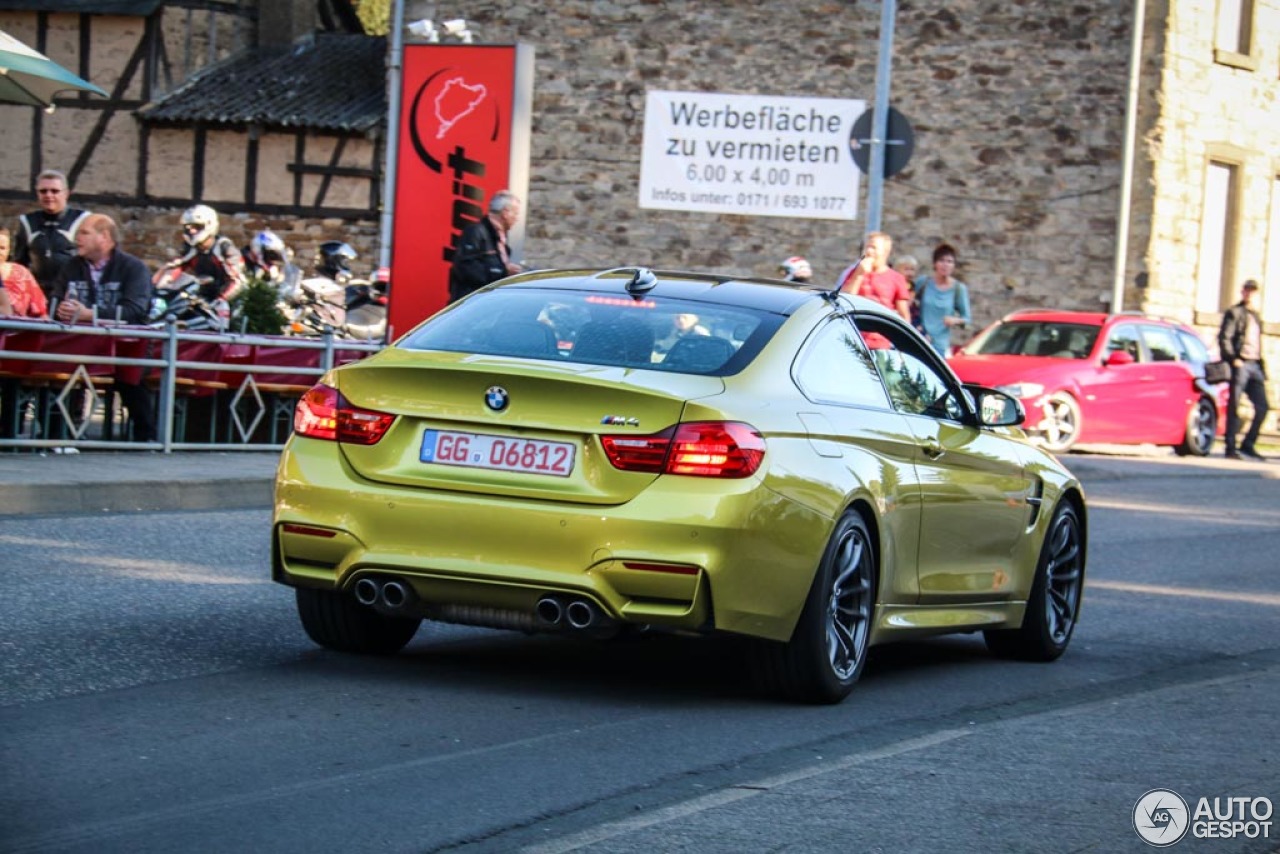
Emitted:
<point x="873" y="278"/>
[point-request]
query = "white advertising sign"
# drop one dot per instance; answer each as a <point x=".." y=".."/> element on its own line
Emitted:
<point x="749" y="154"/>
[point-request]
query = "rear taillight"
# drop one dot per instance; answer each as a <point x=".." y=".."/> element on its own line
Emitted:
<point x="700" y="449"/>
<point x="638" y="453"/>
<point x="323" y="413"/>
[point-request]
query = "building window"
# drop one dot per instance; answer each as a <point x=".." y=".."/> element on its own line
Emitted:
<point x="1217" y="237"/>
<point x="1233" y="42"/>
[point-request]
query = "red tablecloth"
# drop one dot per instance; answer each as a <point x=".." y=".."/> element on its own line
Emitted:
<point x="36" y="341"/>
<point x="285" y="357"/>
<point x="276" y="360"/>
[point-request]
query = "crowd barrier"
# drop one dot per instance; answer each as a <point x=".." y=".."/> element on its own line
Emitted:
<point x="210" y="391"/>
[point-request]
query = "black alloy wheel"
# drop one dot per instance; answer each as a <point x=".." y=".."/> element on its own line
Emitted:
<point x="1053" y="607"/>
<point x="828" y="648"/>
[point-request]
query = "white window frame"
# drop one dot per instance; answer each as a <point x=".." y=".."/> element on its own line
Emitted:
<point x="1234" y="34"/>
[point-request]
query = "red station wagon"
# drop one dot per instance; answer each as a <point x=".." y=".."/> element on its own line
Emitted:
<point x="1102" y="378"/>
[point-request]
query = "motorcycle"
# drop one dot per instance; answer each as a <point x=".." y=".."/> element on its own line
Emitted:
<point x="354" y="309"/>
<point x="179" y="300"/>
<point x="366" y="307"/>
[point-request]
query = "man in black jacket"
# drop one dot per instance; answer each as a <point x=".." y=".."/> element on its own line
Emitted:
<point x="46" y="239"/>
<point x="481" y="256"/>
<point x="118" y="285"/>
<point x="1240" y="344"/>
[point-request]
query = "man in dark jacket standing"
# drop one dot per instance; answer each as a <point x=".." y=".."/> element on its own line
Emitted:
<point x="46" y="239"/>
<point x="481" y="256"/>
<point x="1240" y="345"/>
<point x="118" y="286"/>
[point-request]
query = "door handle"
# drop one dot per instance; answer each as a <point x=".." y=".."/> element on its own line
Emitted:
<point x="932" y="449"/>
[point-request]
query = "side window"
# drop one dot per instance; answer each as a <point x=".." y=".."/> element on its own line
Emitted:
<point x="915" y="386"/>
<point x="1160" y="343"/>
<point x="836" y="368"/>
<point x="1193" y="348"/>
<point x="1125" y="338"/>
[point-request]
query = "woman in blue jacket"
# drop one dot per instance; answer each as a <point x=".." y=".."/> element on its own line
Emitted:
<point x="943" y="300"/>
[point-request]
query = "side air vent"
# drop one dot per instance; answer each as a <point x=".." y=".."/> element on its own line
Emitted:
<point x="1035" y="499"/>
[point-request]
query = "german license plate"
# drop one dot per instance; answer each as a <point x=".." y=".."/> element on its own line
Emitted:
<point x="503" y="453"/>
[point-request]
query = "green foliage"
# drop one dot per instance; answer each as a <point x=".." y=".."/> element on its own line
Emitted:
<point x="255" y="309"/>
<point x="374" y="15"/>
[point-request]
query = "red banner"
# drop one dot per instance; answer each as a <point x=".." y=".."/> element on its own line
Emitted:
<point x="464" y="112"/>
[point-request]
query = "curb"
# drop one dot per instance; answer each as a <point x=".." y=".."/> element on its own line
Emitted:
<point x="60" y="498"/>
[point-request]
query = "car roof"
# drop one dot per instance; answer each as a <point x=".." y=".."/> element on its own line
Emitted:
<point x="769" y="295"/>
<point x="1085" y="318"/>
<point x="1035" y="315"/>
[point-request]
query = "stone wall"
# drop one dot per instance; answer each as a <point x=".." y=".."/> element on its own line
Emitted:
<point x="1017" y="107"/>
<point x="1018" y="111"/>
<point x="153" y="233"/>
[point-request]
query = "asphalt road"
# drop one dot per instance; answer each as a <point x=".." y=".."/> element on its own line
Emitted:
<point x="157" y="694"/>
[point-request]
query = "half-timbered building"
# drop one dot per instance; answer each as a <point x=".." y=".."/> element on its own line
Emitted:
<point x="273" y="114"/>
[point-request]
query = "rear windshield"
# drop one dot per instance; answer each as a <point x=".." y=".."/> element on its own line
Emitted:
<point x="1036" y="338"/>
<point x="653" y="333"/>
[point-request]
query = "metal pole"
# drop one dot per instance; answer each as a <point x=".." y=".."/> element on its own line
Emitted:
<point x="168" y="388"/>
<point x="1126" y="178"/>
<point x="880" y="118"/>
<point x="395" y="68"/>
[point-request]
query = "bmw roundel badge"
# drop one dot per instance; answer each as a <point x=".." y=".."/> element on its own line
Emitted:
<point x="496" y="398"/>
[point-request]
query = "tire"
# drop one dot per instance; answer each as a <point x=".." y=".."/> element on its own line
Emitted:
<point x="828" y="648"/>
<point x="1202" y="427"/>
<point x="1061" y="424"/>
<point x="338" y="622"/>
<point x="1053" y="606"/>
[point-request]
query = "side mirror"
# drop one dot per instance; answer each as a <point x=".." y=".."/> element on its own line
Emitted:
<point x="1118" y="357"/>
<point x="995" y="408"/>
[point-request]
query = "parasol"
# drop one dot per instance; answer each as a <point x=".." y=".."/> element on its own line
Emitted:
<point x="29" y="77"/>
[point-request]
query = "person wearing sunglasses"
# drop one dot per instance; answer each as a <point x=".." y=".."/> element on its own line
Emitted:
<point x="45" y="239"/>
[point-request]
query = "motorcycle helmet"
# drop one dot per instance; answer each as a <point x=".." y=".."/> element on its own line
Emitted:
<point x="335" y="260"/>
<point x="266" y="249"/>
<point x="199" y="223"/>
<point x="796" y="269"/>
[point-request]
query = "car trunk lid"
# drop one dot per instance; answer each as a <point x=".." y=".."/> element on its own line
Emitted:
<point x="508" y="426"/>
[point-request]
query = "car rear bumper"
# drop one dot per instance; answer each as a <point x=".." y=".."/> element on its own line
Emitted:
<point x="687" y="553"/>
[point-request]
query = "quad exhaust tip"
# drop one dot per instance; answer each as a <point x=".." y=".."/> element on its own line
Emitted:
<point x="392" y="595"/>
<point x="555" y="612"/>
<point x="581" y="614"/>
<point x="366" y="591"/>
<point x="550" y="611"/>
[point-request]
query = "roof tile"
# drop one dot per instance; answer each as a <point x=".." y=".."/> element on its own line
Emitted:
<point x="336" y="82"/>
<point x="83" y="7"/>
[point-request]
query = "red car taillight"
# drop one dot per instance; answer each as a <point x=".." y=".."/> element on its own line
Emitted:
<point x="323" y="413"/>
<point x="700" y="449"/>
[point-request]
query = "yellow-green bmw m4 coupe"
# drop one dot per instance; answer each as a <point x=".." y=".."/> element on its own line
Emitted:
<point x="586" y="452"/>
